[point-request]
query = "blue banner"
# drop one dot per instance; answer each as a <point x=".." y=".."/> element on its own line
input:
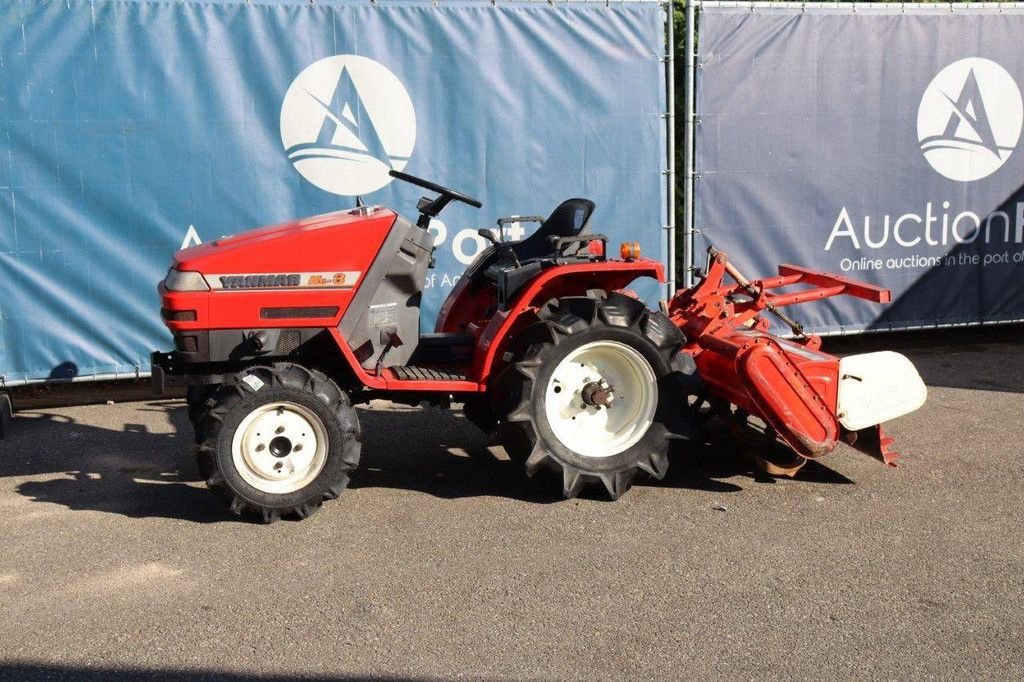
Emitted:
<point x="879" y="142"/>
<point x="132" y="128"/>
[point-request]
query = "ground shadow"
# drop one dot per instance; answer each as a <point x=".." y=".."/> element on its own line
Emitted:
<point x="129" y="471"/>
<point x="973" y="281"/>
<point x="719" y="465"/>
<point x="137" y="473"/>
<point x="443" y="455"/>
<point x="440" y="453"/>
<point x="983" y="359"/>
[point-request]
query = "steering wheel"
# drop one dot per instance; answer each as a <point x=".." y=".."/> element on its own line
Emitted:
<point x="433" y="187"/>
<point x="429" y="208"/>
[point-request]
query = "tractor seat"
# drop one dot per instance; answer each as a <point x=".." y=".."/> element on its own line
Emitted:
<point x="569" y="219"/>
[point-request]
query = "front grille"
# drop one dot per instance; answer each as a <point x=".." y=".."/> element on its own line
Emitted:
<point x="294" y="313"/>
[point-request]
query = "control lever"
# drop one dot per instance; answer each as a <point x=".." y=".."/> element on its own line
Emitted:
<point x="504" y="250"/>
<point x="390" y="338"/>
<point x="488" y="235"/>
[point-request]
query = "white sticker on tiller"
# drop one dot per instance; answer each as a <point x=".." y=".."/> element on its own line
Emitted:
<point x="294" y="280"/>
<point x="254" y="382"/>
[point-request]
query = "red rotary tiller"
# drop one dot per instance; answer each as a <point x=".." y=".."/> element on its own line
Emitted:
<point x="806" y="397"/>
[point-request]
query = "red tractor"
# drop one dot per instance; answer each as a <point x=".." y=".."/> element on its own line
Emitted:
<point x="278" y="331"/>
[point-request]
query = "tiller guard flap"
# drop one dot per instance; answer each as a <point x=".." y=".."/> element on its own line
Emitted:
<point x="787" y="400"/>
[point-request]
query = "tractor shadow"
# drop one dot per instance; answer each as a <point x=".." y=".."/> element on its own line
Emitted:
<point x="137" y="473"/>
<point x="134" y="472"/>
<point x="130" y="471"/>
<point x="440" y="453"/>
<point x="720" y="465"/>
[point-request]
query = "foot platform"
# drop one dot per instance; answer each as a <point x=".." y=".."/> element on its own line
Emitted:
<point x="410" y="373"/>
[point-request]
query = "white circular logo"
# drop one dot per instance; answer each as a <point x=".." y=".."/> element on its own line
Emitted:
<point x="345" y="122"/>
<point x="970" y="119"/>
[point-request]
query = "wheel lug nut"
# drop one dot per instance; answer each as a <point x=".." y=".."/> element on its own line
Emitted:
<point x="297" y="447"/>
<point x="280" y="429"/>
<point x="260" y="447"/>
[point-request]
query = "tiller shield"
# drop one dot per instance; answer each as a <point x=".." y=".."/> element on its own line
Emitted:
<point x="806" y="398"/>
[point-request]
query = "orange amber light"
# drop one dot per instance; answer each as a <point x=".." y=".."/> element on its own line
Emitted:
<point x="629" y="250"/>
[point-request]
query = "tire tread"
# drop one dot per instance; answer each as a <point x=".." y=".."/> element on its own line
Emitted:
<point x="559" y="320"/>
<point x="224" y="399"/>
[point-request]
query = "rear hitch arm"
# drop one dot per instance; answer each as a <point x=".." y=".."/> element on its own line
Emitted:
<point x="759" y="295"/>
<point x="821" y="285"/>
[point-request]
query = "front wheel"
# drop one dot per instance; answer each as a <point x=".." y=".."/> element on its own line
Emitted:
<point x="590" y="393"/>
<point x="197" y="399"/>
<point x="278" y="441"/>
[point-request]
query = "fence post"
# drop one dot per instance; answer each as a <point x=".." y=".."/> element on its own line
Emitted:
<point x="688" y="114"/>
<point x="671" y="119"/>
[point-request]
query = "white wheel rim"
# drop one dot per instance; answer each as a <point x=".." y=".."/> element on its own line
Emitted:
<point x="594" y="430"/>
<point x="280" y="447"/>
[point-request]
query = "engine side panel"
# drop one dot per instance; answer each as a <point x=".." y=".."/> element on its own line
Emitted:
<point x="388" y="298"/>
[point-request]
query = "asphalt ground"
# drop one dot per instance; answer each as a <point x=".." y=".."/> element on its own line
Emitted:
<point x="443" y="560"/>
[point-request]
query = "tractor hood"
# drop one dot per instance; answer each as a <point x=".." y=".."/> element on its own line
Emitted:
<point x="339" y="241"/>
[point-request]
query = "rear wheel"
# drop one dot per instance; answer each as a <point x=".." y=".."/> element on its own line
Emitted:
<point x="278" y="441"/>
<point x="590" y="393"/>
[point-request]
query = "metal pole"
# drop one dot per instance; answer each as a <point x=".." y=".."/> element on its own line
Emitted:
<point x="688" y="118"/>
<point x="671" y="227"/>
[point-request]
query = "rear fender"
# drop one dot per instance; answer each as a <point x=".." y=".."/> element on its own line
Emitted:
<point x="554" y="282"/>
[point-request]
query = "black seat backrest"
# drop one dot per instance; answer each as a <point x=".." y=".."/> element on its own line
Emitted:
<point x="569" y="219"/>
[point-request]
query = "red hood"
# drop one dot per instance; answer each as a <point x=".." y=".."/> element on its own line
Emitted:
<point x="332" y="241"/>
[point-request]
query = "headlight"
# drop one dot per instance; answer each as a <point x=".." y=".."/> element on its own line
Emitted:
<point x="177" y="280"/>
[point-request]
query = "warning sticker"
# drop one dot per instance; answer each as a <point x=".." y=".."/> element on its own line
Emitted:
<point x="255" y="383"/>
<point x="384" y="315"/>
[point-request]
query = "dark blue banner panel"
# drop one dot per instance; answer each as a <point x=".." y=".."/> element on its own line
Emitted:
<point x="882" y="144"/>
<point x="132" y="128"/>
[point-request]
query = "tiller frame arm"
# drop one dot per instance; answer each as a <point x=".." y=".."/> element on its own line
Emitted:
<point x="714" y="303"/>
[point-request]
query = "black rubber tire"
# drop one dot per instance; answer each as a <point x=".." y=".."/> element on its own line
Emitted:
<point x="6" y="414"/>
<point x="198" y="399"/>
<point x="478" y="411"/>
<point x="283" y="382"/>
<point x="563" y="326"/>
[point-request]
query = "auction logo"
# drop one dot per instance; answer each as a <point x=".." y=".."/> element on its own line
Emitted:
<point x="345" y="122"/>
<point x="969" y="120"/>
